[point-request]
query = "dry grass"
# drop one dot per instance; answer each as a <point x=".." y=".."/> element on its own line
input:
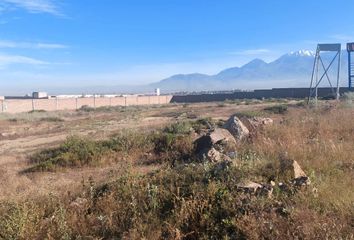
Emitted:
<point x="322" y="142"/>
<point x="201" y="201"/>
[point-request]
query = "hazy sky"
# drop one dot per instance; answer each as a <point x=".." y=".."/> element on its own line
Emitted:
<point x="123" y="42"/>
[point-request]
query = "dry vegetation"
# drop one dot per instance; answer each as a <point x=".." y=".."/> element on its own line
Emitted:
<point x="132" y="173"/>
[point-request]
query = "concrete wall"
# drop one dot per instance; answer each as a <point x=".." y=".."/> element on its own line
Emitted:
<point x="257" y="94"/>
<point x="26" y="105"/>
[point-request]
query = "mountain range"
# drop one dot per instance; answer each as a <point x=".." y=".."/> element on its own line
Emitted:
<point x="290" y="70"/>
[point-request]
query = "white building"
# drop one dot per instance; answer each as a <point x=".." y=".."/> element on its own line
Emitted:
<point x="38" y="95"/>
<point x="157" y="92"/>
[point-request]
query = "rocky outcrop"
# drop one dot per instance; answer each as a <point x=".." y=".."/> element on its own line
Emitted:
<point x="220" y="135"/>
<point x="211" y="147"/>
<point x="236" y="128"/>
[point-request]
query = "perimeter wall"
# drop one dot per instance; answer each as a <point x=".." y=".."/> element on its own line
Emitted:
<point x="54" y="104"/>
<point x="256" y="94"/>
<point x="26" y="105"/>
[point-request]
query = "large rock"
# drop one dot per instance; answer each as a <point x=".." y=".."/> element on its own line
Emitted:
<point x="203" y="144"/>
<point x="220" y="135"/>
<point x="292" y="169"/>
<point x="217" y="137"/>
<point x="215" y="146"/>
<point x="236" y="128"/>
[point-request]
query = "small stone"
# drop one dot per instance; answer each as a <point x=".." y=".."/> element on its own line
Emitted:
<point x="301" y="181"/>
<point x="283" y="187"/>
<point x="249" y="186"/>
<point x="298" y="172"/>
<point x="266" y="190"/>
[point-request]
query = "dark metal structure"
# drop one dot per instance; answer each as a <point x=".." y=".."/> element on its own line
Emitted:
<point x="316" y="79"/>
<point x="350" y="49"/>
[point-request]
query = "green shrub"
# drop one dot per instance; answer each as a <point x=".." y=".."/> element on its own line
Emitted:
<point x="179" y="128"/>
<point x="38" y="111"/>
<point x="51" y="119"/>
<point x="203" y="124"/>
<point x="86" y="108"/>
<point x="173" y="148"/>
<point x="74" y="152"/>
<point x="18" y="221"/>
<point x="127" y="141"/>
<point x="221" y="105"/>
<point x="302" y="103"/>
<point x="348" y="98"/>
<point x="79" y="152"/>
<point x="277" y="109"/>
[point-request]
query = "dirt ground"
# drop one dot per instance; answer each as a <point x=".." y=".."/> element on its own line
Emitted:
<point x="26" y="133"/>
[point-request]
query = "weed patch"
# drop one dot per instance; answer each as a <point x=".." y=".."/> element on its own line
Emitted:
<point x="277" y="109"/>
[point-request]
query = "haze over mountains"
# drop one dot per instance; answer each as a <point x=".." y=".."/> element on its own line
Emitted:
<point x="290" y="70"/>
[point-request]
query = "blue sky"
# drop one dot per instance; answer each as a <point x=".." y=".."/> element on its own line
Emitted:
<point x="71" y="43"/>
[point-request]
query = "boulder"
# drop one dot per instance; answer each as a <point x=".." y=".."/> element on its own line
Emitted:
<point x="236" y="128"/>
<point x="292" y="169"/>
<point x="212" y="146"/>
<point x="221" y="135"/>
<point x="203" y="143"/>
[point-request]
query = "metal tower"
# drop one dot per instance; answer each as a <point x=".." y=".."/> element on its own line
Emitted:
<point x="350" y="49"/>
<point x="318" y="63"/>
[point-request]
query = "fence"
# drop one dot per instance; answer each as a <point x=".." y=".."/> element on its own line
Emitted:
<point x="54" y="104"/>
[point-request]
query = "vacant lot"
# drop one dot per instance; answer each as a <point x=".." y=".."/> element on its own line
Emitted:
<point x="133" y="173"/>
